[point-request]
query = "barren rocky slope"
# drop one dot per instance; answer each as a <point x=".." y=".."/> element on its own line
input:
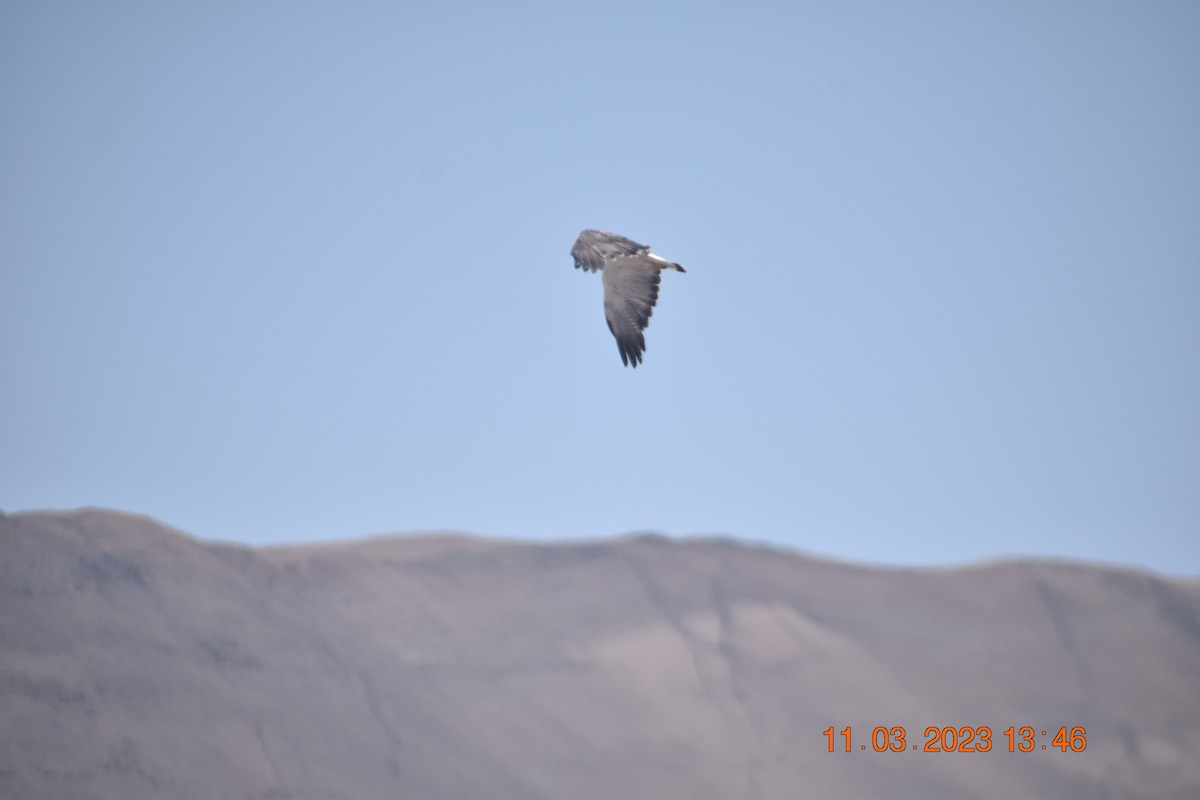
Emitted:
<point x="137" y="662"/>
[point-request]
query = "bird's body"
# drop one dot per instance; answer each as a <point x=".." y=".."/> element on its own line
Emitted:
<point x="631" y="277"/>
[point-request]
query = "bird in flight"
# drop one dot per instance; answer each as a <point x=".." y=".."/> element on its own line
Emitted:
<point x="631" y="278"/>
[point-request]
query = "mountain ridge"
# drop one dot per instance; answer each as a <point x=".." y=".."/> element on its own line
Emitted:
<point x="138" y="661"/>
<point x="466" y="537"/>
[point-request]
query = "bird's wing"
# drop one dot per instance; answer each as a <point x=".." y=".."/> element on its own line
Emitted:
<point x="630" y="292"/>
<point x="594" y="249"/>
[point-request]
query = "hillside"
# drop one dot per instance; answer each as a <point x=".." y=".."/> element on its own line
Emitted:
<point x="136" y="662"/>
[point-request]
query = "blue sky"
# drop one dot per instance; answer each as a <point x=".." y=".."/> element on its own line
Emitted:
<point x="293" y="271"/>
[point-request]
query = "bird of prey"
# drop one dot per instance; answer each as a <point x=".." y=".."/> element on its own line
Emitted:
<point x="631" y="278"/>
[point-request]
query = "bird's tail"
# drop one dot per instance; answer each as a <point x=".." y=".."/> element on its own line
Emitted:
<point x="664" y="264"/>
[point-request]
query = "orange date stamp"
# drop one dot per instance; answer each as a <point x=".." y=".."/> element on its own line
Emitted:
<point x="964" y="739"/>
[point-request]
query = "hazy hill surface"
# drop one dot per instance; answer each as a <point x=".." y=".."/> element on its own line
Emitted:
<point x="136" y="662"/>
